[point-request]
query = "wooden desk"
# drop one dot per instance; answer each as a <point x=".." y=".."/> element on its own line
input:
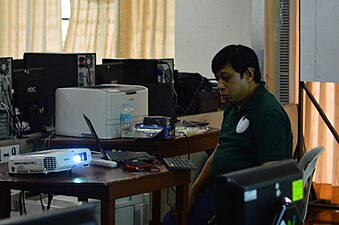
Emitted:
<point x="164" y="147"/>
<point x="100" y="183"/>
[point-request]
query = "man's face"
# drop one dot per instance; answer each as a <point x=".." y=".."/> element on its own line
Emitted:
<point x="232" y="87"/>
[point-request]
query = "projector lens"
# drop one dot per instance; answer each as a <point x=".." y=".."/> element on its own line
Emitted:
<point x="77" y="158"/>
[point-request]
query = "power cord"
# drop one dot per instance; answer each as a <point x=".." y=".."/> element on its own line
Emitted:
<point x="22" y="204"/>
<point x="194" y="96"/>
<point x="88" y="77"/>
<point x="48" y="140"/>
<point x="188" y="145"/>
<point x="49" y="201"/>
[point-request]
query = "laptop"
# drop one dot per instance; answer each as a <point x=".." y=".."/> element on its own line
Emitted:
<point x="117" y="156"/>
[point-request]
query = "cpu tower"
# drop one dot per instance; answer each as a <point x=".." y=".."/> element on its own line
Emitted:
<point x="62" y="70"/>
<point x="6" y="79"/>
<point x="6" y="70"/>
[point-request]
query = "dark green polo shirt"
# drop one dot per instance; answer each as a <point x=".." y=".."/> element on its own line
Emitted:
<point x="257" y="133"/>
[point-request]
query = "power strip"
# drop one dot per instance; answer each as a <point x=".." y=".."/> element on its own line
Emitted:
<point x="8" y="151"/>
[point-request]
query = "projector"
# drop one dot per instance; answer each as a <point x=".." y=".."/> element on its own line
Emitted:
<point x="48" y="161"/>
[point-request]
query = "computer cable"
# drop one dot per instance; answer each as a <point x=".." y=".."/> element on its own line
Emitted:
<point x="49" y="201"/>
<point x="194" y="96"/>
<point x="52" y="122"/>
<point x="22" y="204"/>
<point x="10" y="114"/>
<point x="43" y="136"/>
<point x="48" y="140"/>
<point x="17" y="123"/>
<point x="9" y="101"/>
<point x="88" y="77"/>
<point x="175" y="96"/>
<point x="188" y="145"/>
<point x="41" y="202"/>
<point x="169" y="77"/>
<point x="180" y="110"/>
<point x="6" y="94"/>
<point x="50" y="198"/>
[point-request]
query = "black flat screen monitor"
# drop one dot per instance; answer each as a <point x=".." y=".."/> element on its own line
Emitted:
<point x="137" y="71"/>
<point x="161" y="101"/>
<point x="109" y="73"/>
<point x="29" y="98"/>
<point x="18" y="64"/>
<point x="28" y="85"/>
<point x="251" y="196"/>
<point x="61" y="70"/>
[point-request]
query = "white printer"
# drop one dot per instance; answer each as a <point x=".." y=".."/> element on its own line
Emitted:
<point x="101" y="104"/>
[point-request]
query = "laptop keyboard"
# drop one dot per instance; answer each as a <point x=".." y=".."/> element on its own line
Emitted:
<point x="120" y="156"/>
<point x="179" y="164"/>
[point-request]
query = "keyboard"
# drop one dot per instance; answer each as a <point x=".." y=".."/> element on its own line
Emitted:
<point x="121" y="156"/>
<point x="179" y="164"/>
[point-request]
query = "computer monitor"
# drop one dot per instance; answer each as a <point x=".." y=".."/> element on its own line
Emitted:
<point x="161" y="100"/>
<point x="161" y="96"/>
<point x="137" y="71"/>
<point x="18" y="64"/>
<point x="61" y="70"/>
<point x="109" y="73"/>
<point x="29" y="97"/>
<point x="252" y="196"/>
<point x="82" y="215"/>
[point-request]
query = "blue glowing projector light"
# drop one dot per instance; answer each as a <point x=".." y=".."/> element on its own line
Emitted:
<point x="54" y="160"/>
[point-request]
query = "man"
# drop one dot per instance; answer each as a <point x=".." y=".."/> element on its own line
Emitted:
<point x="255" y="129"/>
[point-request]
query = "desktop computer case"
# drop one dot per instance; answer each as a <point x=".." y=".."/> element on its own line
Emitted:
<point x="5" y="94"/>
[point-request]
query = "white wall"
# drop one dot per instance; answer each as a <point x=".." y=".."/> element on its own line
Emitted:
<point x="319" y="35"/>
<point x="203" y="27"/>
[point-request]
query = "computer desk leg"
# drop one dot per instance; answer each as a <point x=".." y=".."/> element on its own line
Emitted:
<point x="182" y="204"/>
<point x="156" y="207"/>
<point x="5" y="203"/>
<point x="107" y="212"/>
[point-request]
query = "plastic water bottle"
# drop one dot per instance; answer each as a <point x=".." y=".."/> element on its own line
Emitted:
<point x="126" y="115"/>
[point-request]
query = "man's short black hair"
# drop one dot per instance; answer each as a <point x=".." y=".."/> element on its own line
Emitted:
<point x="240" y="57"/>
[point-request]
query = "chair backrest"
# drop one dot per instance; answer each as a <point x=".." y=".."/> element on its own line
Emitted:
<point x="307" y="164"/>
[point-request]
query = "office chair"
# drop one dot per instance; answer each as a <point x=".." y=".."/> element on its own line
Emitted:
<point x="307" y="164"/>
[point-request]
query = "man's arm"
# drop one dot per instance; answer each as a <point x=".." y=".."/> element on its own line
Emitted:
<point x="204" y="179"/>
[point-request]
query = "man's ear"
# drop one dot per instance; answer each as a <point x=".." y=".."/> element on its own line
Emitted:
<point x="250" y="74"/>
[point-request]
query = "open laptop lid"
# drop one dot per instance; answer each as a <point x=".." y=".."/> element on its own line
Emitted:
<point x="96" y="138"/>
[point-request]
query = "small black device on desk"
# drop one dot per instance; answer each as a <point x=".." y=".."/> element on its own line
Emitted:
<point x="179" y="164"/>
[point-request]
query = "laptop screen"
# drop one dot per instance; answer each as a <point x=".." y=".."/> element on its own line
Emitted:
<point x="96" y="138"/>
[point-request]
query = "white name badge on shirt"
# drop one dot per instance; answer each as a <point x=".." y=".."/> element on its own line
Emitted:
<point x="243" y="124"/>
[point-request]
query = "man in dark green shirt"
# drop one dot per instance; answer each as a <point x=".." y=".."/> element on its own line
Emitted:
<point x="256" y="133"/>
<point x="255" y="128"/>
